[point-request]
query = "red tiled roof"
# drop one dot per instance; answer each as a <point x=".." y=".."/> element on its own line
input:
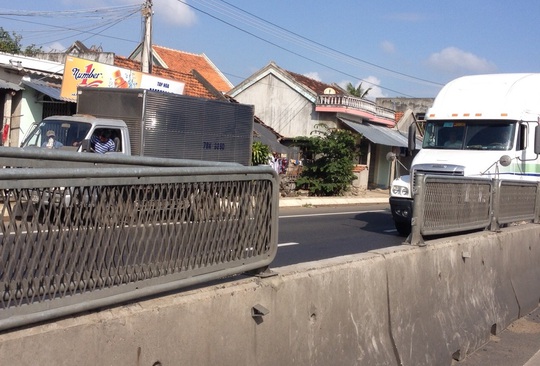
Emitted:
<point x="185" y="62"/>
<point x="317" y="86"/>
<point x="193" y="87"/>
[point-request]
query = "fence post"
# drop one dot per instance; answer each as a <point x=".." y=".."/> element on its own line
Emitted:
<point x="417" y="220"/>
<point x="494" y="209"/>
<point x="537" y="205"/>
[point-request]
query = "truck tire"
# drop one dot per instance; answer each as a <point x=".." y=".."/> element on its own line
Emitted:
<point x="403" y="228"/>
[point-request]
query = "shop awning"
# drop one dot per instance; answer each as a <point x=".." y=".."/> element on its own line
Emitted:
<point x="49" y="89"/>
<point x="378" y="134"/>
<point x="9" y="85"/>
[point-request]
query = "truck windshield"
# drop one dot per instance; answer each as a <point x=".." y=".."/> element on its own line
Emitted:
<point x="64" y="133"/>
<point x="469" y="135"/>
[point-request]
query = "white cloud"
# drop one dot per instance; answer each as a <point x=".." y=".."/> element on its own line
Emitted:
<point x="174" y="12"/>
<point x="171" y="11"/>
<point x="454" y="60"/>
<point x="54" y="47"/>
<point x="313" y="75"/>
<point x="369" y="82"/>
<point x="373" y="83"/>
<point x="388" y="47"/>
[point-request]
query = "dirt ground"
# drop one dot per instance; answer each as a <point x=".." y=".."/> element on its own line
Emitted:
<point x="514" y="346"/>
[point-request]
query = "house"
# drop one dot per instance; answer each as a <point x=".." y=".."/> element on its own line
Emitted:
<point x="293" y="104"/>
<point x="195" y="84"/>
<point x="30" y="87"/>
<point x="185" y="62"/>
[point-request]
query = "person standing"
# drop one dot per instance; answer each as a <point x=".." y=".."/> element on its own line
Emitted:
<point x="275" y="162"/>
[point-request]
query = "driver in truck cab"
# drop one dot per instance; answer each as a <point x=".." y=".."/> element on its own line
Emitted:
<point x="52" y="142"/>
<point x="102" y="143"/>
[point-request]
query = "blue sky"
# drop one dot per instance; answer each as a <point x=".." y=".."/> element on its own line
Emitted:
<point x="398" y="48"/>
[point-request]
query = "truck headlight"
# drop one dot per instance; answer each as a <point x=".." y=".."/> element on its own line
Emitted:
<point x="400" y="190"/>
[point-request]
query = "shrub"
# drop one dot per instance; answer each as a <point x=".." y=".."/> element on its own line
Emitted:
<point x="329" y="171"/>
<point x="259" y="153"/>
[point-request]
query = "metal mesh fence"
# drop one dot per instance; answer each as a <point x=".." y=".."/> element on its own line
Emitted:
<point x="74" y="239"/>
<point x="445" y="204"/>
<point x="517" y="201"/>
<point x="455" y="204"/>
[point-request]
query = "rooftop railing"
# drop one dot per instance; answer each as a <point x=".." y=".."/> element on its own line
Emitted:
<point x="360" y="104"/>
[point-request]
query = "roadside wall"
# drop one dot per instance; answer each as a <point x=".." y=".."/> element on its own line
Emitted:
<point x="402" y="305"/>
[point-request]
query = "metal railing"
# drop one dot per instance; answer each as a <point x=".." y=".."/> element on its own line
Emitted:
<point x="360" y="104"/>
<point x="447" y="204"/>
<point x="75" y="239"/>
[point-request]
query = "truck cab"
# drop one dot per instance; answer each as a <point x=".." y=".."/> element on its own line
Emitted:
<point x="479" y="126"/>
<point x="75" y="133"/>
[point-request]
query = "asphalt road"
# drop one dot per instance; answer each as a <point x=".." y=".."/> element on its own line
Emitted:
<point x="315" y="233"/>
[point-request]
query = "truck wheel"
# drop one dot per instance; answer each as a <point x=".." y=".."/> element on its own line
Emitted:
<point x="403" y="228"/>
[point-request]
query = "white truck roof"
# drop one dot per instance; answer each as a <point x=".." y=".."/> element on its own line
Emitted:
<point x="89" y="119"/>
<point x="490" y="96"/>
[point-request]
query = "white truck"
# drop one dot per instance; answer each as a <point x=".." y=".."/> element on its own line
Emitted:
<point x="481" y="126"/>
<point x="143" y="123"/>
<point x="149" y="123"/>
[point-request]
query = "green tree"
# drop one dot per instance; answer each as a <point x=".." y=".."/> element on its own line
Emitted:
<point x="357" y="92"/>
<point x="11" y="43"/>
<point x="259" y="153"/>
<point x="328" y="170"/>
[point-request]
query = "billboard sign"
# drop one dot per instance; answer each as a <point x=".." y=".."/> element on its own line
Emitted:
<point x="81" y="72"/>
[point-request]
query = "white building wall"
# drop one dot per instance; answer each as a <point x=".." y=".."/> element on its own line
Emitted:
<point x="280" y="107"/>
<point x="30" y="112"/>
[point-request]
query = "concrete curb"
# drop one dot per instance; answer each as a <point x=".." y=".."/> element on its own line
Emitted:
<point x="329" y="201"/>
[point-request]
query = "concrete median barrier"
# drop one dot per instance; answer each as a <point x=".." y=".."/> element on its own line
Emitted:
<point x="399" y="306"/>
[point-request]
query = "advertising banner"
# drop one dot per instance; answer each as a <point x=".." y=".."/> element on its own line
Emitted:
<point x="81" y="72"/>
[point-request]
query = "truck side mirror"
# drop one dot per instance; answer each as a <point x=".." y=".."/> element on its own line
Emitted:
<point x="412" y="138"/>
<point x="537" y="140"/>
<point x="390" y="157"/>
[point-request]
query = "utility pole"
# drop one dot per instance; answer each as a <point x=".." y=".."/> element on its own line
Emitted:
<point x="146" y="56"/>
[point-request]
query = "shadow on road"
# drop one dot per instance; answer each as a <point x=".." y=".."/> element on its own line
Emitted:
<point x="378" y="222"/>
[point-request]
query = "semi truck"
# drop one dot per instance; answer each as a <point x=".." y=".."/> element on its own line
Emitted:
<point x="479" y="126"/>
<point x="149" y="123"/>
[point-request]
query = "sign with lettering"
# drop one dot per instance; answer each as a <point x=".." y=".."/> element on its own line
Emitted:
<point x="81" y="72"/>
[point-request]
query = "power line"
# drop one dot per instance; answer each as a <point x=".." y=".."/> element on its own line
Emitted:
<point x="96" y="12"/>
<point x="333" y="49"/>
<point x="290" y="51"/>
<point x="76" y="30"/>
<point x="98" y="21"/>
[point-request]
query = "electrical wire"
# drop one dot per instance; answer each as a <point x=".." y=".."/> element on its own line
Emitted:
<point x="97" y="21"/>
<point x="335" y="50"/>
<point x="290" y="51"/>
<point x="93" y="13"/>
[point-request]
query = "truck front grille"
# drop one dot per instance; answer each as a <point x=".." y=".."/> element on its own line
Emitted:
<point x="433" y="169"/>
